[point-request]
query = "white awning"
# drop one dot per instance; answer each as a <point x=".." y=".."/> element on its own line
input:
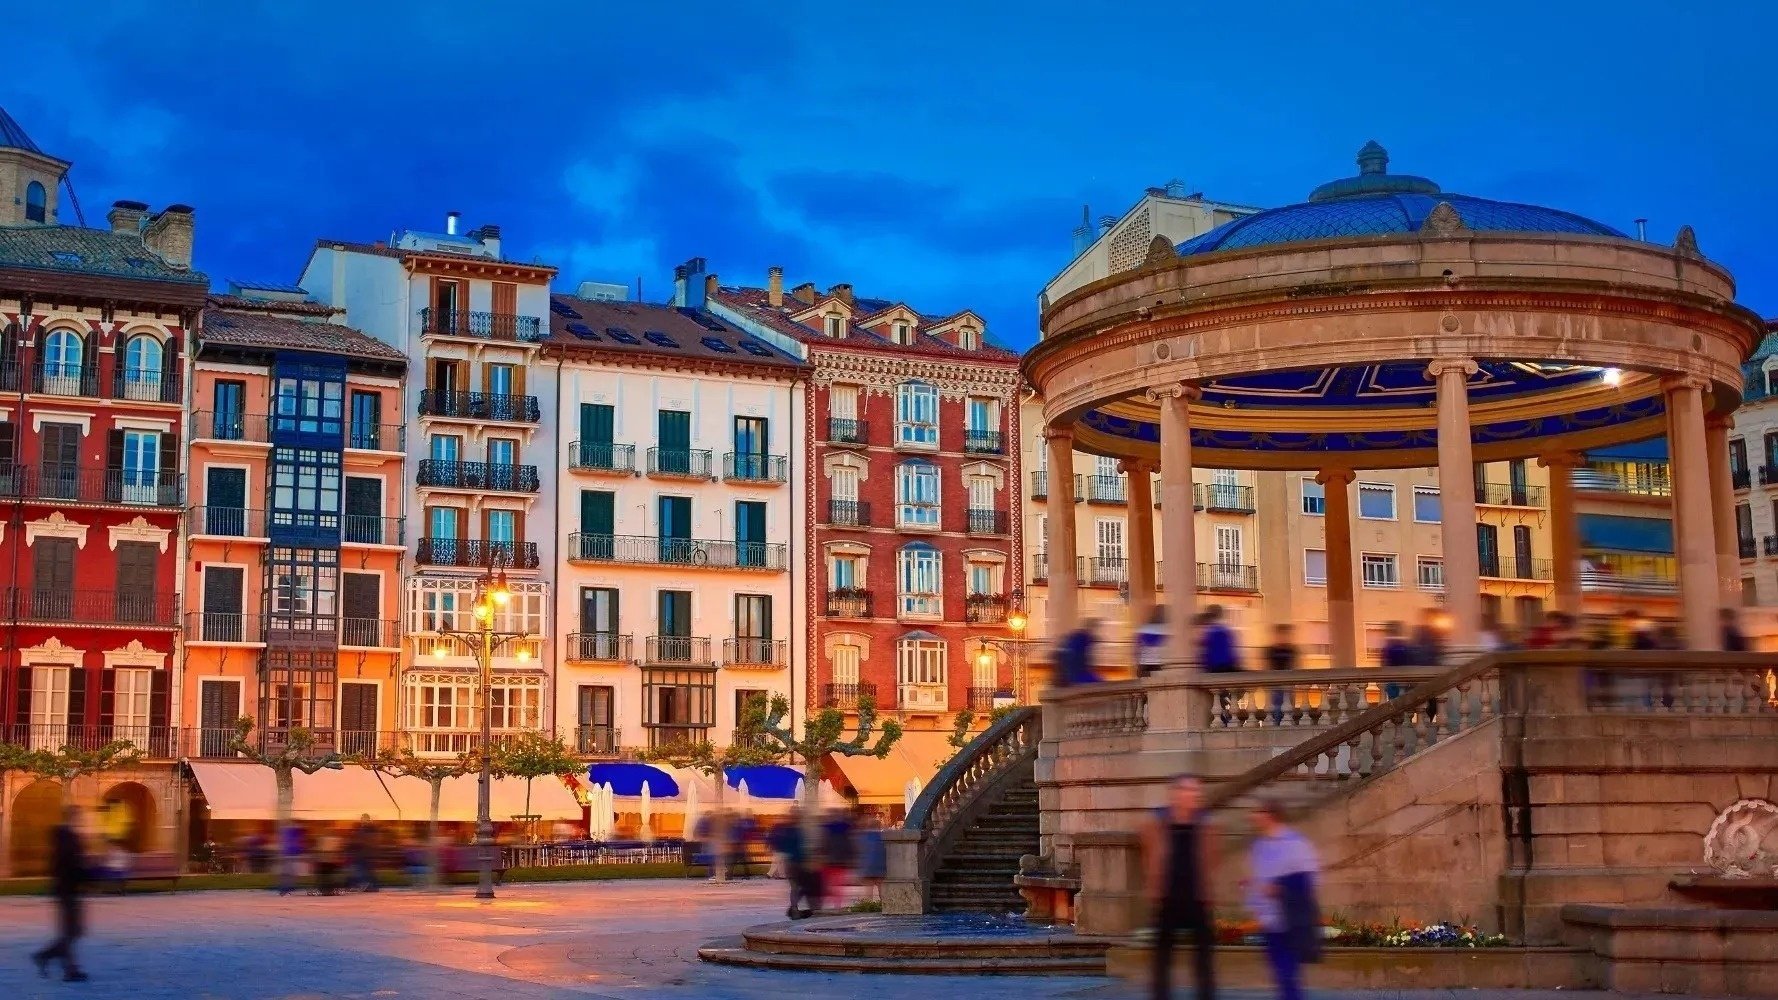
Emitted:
<point x="242" y="790"/>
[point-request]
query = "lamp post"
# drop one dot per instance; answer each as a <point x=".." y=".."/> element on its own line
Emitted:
<point x="491" y="594"/>
<point x="1015" y="644"/>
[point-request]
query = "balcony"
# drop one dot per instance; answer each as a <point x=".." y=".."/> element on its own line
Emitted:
<point x="369" y="529"/>
<point x="481" y="325"/>
<point x="675" y="463"/>
<point x="986" y="609"/>
<point x="981" y="699"/>
<point x="1040" y="486"/>
<point x="848" y="513"/>
<point x="676" y="649"/>
<point x="1748" y="547"/>
<point x="602" y="456"/>
<point x="845" y="430"/>
<point x="749" y="467"/>
<point x="668" y="734"/>
<point x="1227" y="577"/>
<point x="923" y="698"/>
<point x="56" y="379"/>
<point x="1514" y="568"/>
<point x="158" y="742"/>
<point x="1768" y="474"/>
<point x="1740" y="476"/>
<point x="226" y="522"/>
<point x="147" y="386"/>
<point x="983" y="442"/>
<point x="656" y="550"/>
<point x="985" y="522"/>
<point x="1222" y="498"/>
<point x="369" y="633"/>
<point x="850" y="602"/>
<point x="479" y="406"/>
<point x="222" y="425"/>
<point x="87" y="484"/>
<point x="846" y="697"/>
<point x="1509" y="495"/>
<point x="595" y="741"/>
<point x="597" y="647"/>
<point x="1643" y="479"/>
<point x="750" y="651"/>
<point x="1771" y="545"/>
<point x="441" y="474"/>
<point x="1611" y="572"/>
<point x="1104" y="489"/>
<point x="1104" y="572"/>
<point x="93" y="607"/>
<point x="1040" y="567"/>
<point x="476" y="553"/>
<point x="376" y="437"/>
<point x="224" y="628"/>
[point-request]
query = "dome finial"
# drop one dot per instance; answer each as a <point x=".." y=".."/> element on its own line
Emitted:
<point x="1373" y="159"/>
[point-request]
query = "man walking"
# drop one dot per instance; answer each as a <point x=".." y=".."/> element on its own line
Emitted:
<point x="1281" y="897"/>
<point x="1179" y="852"/>
<point x="788" y="841"/>
<point x="67" y="876"/>
<point x="1216" y="643"/>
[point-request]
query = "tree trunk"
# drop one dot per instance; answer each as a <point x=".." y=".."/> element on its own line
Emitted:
<point x="812" y="806"/>
<point x="286" y="806"/>
<point x="434" y="876"/>
<point x="529" y="820"/>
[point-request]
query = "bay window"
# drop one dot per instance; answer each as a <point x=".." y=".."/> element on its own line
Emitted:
<point x="916" y="415"/>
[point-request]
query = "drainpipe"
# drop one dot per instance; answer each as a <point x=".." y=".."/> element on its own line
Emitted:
<point x="555" y="625"/>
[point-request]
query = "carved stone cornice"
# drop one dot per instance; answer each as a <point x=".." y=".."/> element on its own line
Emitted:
<point x="56" y="526"/>
<point x="1682" y="383"/>
<point x="953" y="377"/>
<point x="1137" y="467"/>
<point x="135" y="655"/>
<point x="51" y="653"/>
<point x="139" y="530"/>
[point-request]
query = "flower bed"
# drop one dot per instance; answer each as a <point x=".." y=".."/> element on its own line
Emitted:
<point x="1345" y="934"/>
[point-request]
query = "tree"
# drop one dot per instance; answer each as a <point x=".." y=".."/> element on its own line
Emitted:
<point x="533" y="755"/>
<point x="404" y="763"/>
<point x="17" y="758"/>
<point x="72" y="762"/>
<point x="824" y="736"/>
<point x="748" y="749"/>
<point x="964" y="721"/>
<point x="299" y="752"/>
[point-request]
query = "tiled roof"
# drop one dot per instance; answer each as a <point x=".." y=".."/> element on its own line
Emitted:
<point x="14" y="137"/>
<point x="756" y="304"/>
<point x="74" y="250"/>
<point x="374" y="249"/>
<point x="239" y="302"/>
<point x="626" y="328"/>
<point x="224" y="324"/>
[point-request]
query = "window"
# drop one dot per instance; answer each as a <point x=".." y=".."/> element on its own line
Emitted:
<point x="445" y="447"/>
<point x="515" y="703"/>
<point x="1379" y="570"/>
<point x="916" y="414"/>
<point x="64" y="354"/>
<point x="980" y="416"/>
<point x="921" y="661"/>
<point x="921" y="587"/>
<point x="1228" y="546"/>
<point x="1314" y="498"/>
<point x="49" y="704"/>
<point x="1487" y="543"/>
<point x="1110" y="536"/>
<point x="845" y="484"/>
<point x="36" y="202"/>
<point x="981" y="493"/>
<point x="1376" y="501"/>
<point x="842" y="402"/>
<point x="916" y="495"/>
<point x="304" y="585"/>
<point x="981" y="580"/>
<point x="1315" y="567"/>
<point x="141" y="466"/>
<point x="309" y="405"/>
<point x="130" y="694"/>
<point x="1431" y="573"/>
<point x="900" y="332"/>
<point x="968" y="338"/>
<point x="845" y="572"/>
<point x="142" y="367"/>
<point x="1426" y="508"/>
<point x="836" y="324"/>
<point x="502" y="452"/>
<point x="367" y="413"/>
<point x="845" y="664"/>
<point x="503" y="526"/>
<point x="984" y="672"/>
<point x="305" y="488"/>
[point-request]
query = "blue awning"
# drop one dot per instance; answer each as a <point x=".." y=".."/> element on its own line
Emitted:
<point x="1616" y="533"/>
<point x="766" y="781"/>
<point x="1652" y="450"/>
<point x="626" y="778"/>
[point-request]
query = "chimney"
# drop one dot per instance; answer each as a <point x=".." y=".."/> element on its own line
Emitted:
<point x="169" y="234"/>
<point x="488" y="236"/>
<point x="452" y="221"/>
<point x="126" y="217"/>
<point x="690" y="285"/>
<point x="679" y="285"/>
<point x="1106" y="222"/>
<point x="841" y="291"/>
<point x="804" y="293"/>
<point x="775" y="286"/>
<point x="710" y="285"/>
<point x="1083" y="234"/>
<point x="1642" y="230"/>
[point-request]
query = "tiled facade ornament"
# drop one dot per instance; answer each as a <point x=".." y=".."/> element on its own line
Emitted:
<point x="1160" y="253"/>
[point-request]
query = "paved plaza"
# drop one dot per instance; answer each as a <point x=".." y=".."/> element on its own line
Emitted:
<point x="612" y="939"/>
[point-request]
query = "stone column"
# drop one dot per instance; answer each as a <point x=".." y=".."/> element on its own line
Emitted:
<point x="1694" y="534"/>
<point x="1564" y="530"/>
<point x="1064" y="582"/>
<point x="1342" y="611"/>
<point x="1456" y="499"/>
<point x="1141" y="562"/>
<point x="1179" y="557"/>
<point x="1722" y="507"/>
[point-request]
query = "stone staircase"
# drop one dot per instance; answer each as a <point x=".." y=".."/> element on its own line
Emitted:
<point x="976" y="874"/>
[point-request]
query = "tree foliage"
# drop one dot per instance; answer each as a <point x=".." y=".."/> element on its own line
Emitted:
<point x="749" y="748"/>
<point x="71" y="762"/>
<point x="531" y="755"/>
<point x="299" y="752"/>
<point x="964" y="721"/>
<point x="824" y="732"/>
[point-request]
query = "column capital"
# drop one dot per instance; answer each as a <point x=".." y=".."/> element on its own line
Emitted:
<point x="1719" y="421"/>
<point x="1136" y="466"/>
<point x="1441" y="366"/>
<point x="1329" y="477"/>
<point x="1681" y="383"/>
<point x="1562" y="460"/>
<point x="1057" y="434"/>
<point x="1176" y="390"/>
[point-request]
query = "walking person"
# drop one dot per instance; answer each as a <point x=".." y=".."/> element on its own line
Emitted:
<point x="67" y="881"/>
<point x="1216" y="642"/>
<point x="1151" y="642"/>
<point x="363" y="848"/>
<point x="873" y="858"/>
<point x="1074" y="655"/>
<point x="839" y="853"/>
<point x="291" y="848"/>
<point x="1281" y="897"/>
<point x="1281" y="655"/>
<point x="787" y="840"/>
<point x="1178" y="848"/>
<point x="1733" y="639"/>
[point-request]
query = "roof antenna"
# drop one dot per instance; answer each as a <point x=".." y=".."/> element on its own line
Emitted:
<point x="1642" y="230"/>
<point x="73" y="199"/>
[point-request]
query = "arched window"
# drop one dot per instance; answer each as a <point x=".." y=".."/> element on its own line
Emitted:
<point x="36" y="203"/>
<point x="142" y="358"/>
<point x="916" y="414"/>
<point x="916" y="494"/>
<point x="920" y="582"/>
<point x="63" y="357"/>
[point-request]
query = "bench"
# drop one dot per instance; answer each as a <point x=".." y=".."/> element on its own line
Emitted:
<point x="152" y="867"/>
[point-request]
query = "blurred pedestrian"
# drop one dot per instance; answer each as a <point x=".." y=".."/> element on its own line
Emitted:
<point x="67" y="881"/>
<point x="1429" y="640"/>
<point x="873" y="858"/>
<point x="1074" y="657"/>
<point x="326" y="862"/>
<point x="1281" y="655"/>
<point x="1281" y="897"/>
<point x="1178" y="847"/>
<point x="1216" y="643"/>
<point x="787" y="840"/>
<point x="361" y="853"/>
<point x="1396" y="654"/>
<point x="1151" y="642"/>
<point x="718" y="839"/>
<point x="1733" y="639"/>
<point x="838" y="856"/>
<point x="1667" y="637"/>
<point x="292" y="845"/>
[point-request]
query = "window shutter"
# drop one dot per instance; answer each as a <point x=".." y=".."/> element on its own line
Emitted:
<point x="518" y="386"/>
<point x="114" y="453"/>
<point x="89" y="365"/>
<point x="21" y="710"/>
<point x="108" y="697"/>
<point x="8" y="444"/>
<point x="77" y="696"/>
<point x="167" y="473"/>
<point x="170" y="374"/>
<point x="518" y="528"/>
<point x="160" y="696"/>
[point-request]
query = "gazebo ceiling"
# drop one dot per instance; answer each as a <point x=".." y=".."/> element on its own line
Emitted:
<point x="1388" y="385"/>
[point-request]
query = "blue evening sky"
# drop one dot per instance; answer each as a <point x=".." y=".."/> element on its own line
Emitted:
<point x="933" y="152"/>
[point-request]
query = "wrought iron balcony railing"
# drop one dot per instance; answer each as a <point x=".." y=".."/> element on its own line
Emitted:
<point x="86" y="484"/>
<point x="369" y="529"/>
<point x="229" y="425"/>
<point x="595" y="741"/>
<point x="92" y="607"/>
<point x="676" y="649"/>
<point x="1768" y="474"/>
<point x="1511" y="567"/>
<point x="476" y="553"/>
<point x="850" y="602"/>
<point x="148" y="385"/>
<point x="751" y="651"/>
<point x="1509" y="495"/>
<point x="1040" y="486"/>
<point x="481" y="325"/>
<point x="585" y="647"/>
<point x="584" y="546"/>
<point x="54" y="378"/>
<point x="983" y="442"/>
<point x="750" y="467"/>
<point x="848" y="513"/>
<point x="601" y="456"/>
<point x="1104" y="571"/>
<point x="846" y="430"/>
<point x="677" y="463"/>
<point x="981" y="699"/>
<point x="985" y="609"/>
<point x="1223" y="498"/>
<point x="226" y="522"/>
<point x="1106" y="489"/>
<point x="479" y="406"/>
<point x="1771" y="545"/>
<point x="370" y="633"/>
<point x="1748" y="547"/>
<point x="1740" y="476"/>
<point x="1226" y="577"/>
<point x="847" y="696"/>
<point x="1040" y="567"/>
<point x="367" y="436"/>
<point x="478" y="476"/>
<point x="158" y="742"/>
<point x="985" y="522"/>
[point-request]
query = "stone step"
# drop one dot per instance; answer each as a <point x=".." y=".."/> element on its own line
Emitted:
<point x="1017" y="965"/>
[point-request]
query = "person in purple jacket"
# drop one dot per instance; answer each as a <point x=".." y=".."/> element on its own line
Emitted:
<point x="1281" y="897"/>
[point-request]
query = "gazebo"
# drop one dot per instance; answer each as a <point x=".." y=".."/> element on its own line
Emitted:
<point x="1385" y="323"/>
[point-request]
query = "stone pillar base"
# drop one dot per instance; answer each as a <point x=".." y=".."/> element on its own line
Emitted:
<point x="1111" y="900"/>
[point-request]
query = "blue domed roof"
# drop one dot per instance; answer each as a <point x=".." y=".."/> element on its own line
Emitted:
<point x="1377" y="203"/>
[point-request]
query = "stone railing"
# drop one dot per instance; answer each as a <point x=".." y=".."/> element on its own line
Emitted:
<point x="1295" y="699"/>
<point x="1112" y="709"/>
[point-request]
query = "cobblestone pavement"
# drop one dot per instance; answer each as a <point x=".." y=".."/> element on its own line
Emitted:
<point x="630" y="940"/>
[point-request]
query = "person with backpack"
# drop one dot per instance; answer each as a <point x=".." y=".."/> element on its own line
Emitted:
<point x="1281" y="897"/>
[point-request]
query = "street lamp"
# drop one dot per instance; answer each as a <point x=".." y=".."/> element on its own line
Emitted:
<point x="491" y="592"/>
<point x="1015" y="644"/>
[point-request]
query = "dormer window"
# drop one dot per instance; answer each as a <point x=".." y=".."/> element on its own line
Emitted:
<point x="968" y="338"/>
<point x="836" y="325"/>
<point x="901" y="332"/>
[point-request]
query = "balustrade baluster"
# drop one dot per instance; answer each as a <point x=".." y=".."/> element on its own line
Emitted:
<point x="1719" y="694"/>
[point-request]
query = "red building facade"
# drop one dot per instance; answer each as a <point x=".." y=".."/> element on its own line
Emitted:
<point x="913" y="555"/>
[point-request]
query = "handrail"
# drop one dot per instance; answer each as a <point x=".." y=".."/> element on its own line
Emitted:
<point x="1313" y="749"/>
<point x="997" y="747"/>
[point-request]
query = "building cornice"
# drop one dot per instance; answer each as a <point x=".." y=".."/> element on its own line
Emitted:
<point x="953" y="377"/>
